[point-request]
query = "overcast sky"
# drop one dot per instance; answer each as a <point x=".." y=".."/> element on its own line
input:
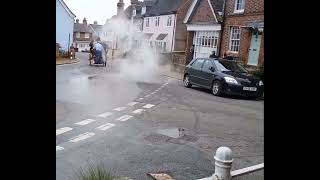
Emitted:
<point x="94" y="10"/>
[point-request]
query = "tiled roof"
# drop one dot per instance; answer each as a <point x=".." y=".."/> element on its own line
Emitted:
<point x="78" y="27"/>
<point x="162" y="7"/>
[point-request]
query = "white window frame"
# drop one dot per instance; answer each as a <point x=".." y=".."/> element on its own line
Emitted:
<point x="77" y="34"/>
<point x="169" y="21"/>
<point x="147" y="22"/>
<point x="157" y="22"/>
<point x="86" y="35"/>
<point x="233" y="39"/>
<point x="236" y="3"/>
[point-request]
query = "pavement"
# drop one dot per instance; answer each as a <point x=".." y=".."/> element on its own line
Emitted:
<point x="165" y="70"/>
<point x="136" y="125"/>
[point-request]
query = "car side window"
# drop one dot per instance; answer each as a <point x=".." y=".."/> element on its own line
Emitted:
<point x="197" y="64"/>
<point x="206" y="66"/>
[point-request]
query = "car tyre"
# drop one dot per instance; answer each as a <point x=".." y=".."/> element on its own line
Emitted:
<point x="186" y="81"/>
<point x="216" y="88"/>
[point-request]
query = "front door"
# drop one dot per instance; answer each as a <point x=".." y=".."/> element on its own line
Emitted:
<point x="254" y="49"/>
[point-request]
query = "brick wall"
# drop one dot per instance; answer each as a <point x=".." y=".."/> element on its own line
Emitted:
<point x="254" y="10"/>
<point x="203" y="13"/>
<point x="181" y="28"/>
<point x="251" y="7"/>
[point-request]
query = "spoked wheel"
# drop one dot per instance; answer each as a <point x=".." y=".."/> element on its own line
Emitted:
<point x="186" y="81"/>
<point x="216" y="88"/>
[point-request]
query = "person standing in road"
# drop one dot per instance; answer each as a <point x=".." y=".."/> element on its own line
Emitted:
<point x="99" y="49"/>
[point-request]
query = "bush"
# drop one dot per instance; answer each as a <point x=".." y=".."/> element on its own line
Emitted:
<point x="94" y="172"/>
<point x="260" y="72"/>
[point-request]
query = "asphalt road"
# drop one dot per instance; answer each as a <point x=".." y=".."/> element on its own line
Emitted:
<point x="149" y="123"/>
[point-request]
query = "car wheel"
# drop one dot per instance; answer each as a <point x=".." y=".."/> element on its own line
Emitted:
<point x="186" y="81"/>
<point x="216" y="88"/>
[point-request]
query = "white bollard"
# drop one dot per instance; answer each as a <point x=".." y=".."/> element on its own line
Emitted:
<point x="223" y="162"/>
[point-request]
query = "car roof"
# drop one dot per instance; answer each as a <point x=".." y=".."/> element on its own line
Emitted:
<point x="219" y="59"/>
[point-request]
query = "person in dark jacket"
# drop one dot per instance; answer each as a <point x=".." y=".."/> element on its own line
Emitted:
<point x="213" y="55"/>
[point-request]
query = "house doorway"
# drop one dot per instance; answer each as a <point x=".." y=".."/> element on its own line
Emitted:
<point x="204" y="43"/>
<point x="254" y="49"/>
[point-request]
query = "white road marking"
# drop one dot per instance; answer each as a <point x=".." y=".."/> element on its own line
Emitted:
<point x="138" y="111"/>
<point x="147" y="95"/>
<point x="105" y="126"/>
<point x="119" y="108"/>
<point x="85" y="122"/>
<point x="82" y="137"/>
<point x="148" y="106"/>
<point x="132" y="103"/>
<point x="140" y="98"/>
<point x="153" y="93"/>
<point x="59" y="148"/>
<point x="124" y="118"/>
<point x="63" y="130"/>
<point x="104" y="115"/>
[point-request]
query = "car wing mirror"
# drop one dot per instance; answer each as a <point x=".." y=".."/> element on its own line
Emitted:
<point x="212" y="69"/>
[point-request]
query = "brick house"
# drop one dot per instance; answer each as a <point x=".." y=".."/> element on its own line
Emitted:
<point x="243" y="29"/>
<point x="82" y="35"/>
<point x="203" y="21"/>
<point x="164" y="27"/>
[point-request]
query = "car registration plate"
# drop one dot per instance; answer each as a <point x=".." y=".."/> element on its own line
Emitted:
<point x="249" y="88"/>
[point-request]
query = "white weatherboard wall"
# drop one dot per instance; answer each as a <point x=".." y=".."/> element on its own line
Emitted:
<point x="161" y="29"/>
<point x="64" y="26"/>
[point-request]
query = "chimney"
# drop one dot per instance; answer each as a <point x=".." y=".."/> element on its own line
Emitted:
<point x="77" y="21"/>
<point x="84" y="21"/>
<point x="120" y="6"/>
<point x="95" y="22"/>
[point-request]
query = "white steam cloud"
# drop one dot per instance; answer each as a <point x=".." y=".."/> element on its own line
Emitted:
<point x="140" y="63"/>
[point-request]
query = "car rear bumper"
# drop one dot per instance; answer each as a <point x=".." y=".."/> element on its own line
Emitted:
<point x="238" y="90"/>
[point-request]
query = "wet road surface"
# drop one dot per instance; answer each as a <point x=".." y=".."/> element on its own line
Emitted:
<point x="134" y="127"/>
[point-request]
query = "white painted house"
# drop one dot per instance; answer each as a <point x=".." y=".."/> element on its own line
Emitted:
<point x="64" y="25"/>
<point x="163" y="25"/>
<point x="160" y="31"/>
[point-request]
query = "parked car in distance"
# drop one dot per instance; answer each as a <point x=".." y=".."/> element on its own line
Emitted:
<point x="86" y="50"/>
<point x="222" y="77"/>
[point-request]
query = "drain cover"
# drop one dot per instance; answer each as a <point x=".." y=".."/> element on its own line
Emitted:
<point x="157" y="138"/>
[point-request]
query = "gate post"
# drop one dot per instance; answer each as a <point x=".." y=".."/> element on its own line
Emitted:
<point x="223" y="163"/>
